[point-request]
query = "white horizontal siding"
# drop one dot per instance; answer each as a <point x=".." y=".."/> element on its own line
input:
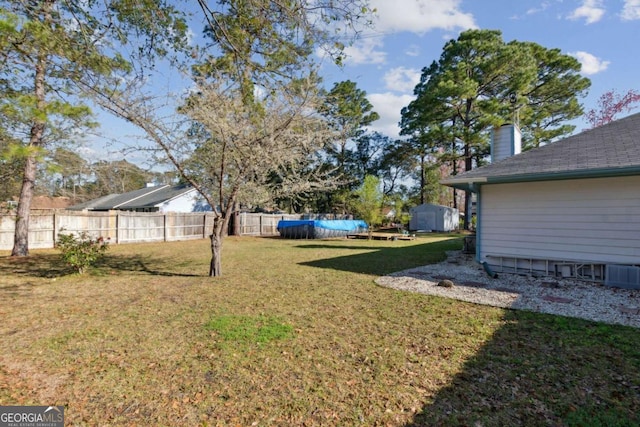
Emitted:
<point x="591" y="220"/>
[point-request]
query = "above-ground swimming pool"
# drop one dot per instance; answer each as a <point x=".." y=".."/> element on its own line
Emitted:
<point x="319" y="228"/>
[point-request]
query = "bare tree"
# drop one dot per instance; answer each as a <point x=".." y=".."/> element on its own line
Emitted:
<point x="250" y="128"/>
<point x="246" y="154"/>
<point x="235" y="152"/>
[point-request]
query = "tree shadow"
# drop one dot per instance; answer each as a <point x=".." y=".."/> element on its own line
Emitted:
<point x="350" y="247"/>
<point x="381" y="260"/>
<point x="36" y="265"/>
<point x="145" y="265"/>
<point x="51" y="266"/>
<point x="541" y="369"/>
<point x="535" y="370"/>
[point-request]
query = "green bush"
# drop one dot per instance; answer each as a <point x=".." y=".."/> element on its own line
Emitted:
<point x="82" y="251"/>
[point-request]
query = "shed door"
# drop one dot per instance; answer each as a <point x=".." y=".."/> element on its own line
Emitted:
<point x="427" y="220"/>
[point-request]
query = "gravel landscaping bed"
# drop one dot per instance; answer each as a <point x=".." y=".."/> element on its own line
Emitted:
<point x="462" y="278"/>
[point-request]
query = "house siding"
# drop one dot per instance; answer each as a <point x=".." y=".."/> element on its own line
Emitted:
<point x="588" y="220"/>
<point x="187" y="202"/>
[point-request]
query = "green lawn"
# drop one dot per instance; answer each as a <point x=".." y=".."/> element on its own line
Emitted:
<point x="295" y="333"/>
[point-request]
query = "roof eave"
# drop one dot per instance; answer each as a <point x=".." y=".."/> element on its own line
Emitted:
<point x="472" y="184"/>
<point x="577" y="174"/>
<point x="468" y="184"/>
<point x="159" y="204"/>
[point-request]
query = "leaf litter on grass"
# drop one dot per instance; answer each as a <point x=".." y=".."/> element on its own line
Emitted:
<point x="134" y="346"/>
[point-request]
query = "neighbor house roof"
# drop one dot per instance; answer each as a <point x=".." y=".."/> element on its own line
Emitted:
<point x="609" y="150"/>
<point x="137" y="199"/>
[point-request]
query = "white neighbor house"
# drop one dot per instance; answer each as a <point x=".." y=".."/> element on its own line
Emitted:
<point x="161" y="198"/>
<point x="570" y="208"/>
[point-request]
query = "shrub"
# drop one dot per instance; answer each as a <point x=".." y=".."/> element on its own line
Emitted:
<point x="82" y="251"/>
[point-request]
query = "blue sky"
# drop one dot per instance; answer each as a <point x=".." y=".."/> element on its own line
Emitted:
<point x="410" y="34"/>
<point x="603" y="35"/>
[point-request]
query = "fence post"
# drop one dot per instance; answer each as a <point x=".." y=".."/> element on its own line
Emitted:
<point x="117" y="228"/>
<point x="164" y="216"/>
<point x="204" y="226"/>
<point x="55" y="229"/>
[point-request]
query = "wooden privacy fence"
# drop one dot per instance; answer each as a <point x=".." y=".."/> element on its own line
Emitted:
<point x="130" y="227"/>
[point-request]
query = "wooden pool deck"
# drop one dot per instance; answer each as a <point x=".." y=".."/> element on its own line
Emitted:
<point x="381" y="236"/>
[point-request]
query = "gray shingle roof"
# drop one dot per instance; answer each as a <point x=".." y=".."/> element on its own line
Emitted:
<point x="154" y="198"/>
<point x="137" y="199"/>
<point x="609" y="150"/>
<point x="101" y="203"/>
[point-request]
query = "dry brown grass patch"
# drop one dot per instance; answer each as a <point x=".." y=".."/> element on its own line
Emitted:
<point x="132" y="342"/>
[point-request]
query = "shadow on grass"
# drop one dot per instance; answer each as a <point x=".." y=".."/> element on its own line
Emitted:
<point x="383" y="260"/>
<point x="38" y="265"/>
<point x="146" y="265"/>
<point x="52" y="266"/>
<point x="545" y="370"/>
<point x="536" y="370"/>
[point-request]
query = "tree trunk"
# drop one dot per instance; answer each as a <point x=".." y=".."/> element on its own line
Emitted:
<point x="215" y="268"/>
<point x="467" y="209"/>
<point x="235" y="224"/>
<point x="21" y="236"/>
<point x="455" y="172"/>
<point x="423" y="180"/>
<point x="468" y="165"/>
<point x="235" y="220"/>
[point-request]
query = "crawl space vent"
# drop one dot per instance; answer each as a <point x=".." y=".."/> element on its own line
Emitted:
<point x="622" y="276"/>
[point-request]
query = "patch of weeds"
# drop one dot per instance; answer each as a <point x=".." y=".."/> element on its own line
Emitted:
<point x="249" y="329"/>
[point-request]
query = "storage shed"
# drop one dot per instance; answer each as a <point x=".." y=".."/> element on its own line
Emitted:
<point x="433" y="218"/>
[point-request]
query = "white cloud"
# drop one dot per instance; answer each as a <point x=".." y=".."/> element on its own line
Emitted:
<point x="590" y="63"/>
<point x="631" y="10"/>
<point x="412" y="50"/>
<point x="366" y="51"/>
<point x="420" y="16"/>
<point x="388" y="105"/>
<point x="531" y="11"/>
<point x="590" y="10"/>
<point x="416" y="16"/>
<point x="402" y="79"/>
<point x="544" y="6"/>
